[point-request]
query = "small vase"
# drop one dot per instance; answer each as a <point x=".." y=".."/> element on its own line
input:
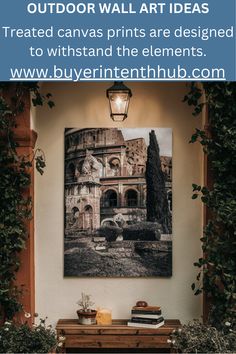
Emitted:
<point x="87" y="318"/>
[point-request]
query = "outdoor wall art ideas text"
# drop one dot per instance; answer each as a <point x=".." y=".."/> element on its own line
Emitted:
<point x="118" y="202"/>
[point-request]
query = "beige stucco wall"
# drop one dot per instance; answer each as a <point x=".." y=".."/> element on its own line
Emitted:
<point x="85" y="105"/>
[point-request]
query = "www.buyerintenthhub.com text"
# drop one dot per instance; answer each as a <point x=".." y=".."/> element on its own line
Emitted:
<point x="116" y="73"/>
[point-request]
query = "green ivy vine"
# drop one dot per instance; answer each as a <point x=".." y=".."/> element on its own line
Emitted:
<point x="217" y="268"/>
<point x="15" y="206"/>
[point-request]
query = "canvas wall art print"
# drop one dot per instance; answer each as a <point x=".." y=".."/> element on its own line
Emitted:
<point x="118" y="202"/>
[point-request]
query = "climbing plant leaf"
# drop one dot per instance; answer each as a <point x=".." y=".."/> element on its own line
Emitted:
<point x="218" y="241"/>
<point x="15" y="205"/>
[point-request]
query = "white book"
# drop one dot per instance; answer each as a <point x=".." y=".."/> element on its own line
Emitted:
<point x="140" y="315"/>
<point x="145" y="325"/>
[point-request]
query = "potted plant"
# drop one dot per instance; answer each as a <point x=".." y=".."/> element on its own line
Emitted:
<point x="87" y="316"/>
<point x="22" y="338"/>
<point x="196" y="337"/>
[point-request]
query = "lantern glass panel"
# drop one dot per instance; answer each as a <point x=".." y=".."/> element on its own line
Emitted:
<point x="119" y="102"/>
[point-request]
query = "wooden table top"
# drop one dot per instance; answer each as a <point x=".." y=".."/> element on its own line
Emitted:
<point x="68" y="325"/>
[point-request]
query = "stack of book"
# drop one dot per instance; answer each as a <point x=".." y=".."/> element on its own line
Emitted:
<point x="146" y="317"/>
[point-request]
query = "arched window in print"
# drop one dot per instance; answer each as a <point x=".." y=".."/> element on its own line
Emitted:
<point x="110" y="198"/>
<point x="131" y="198"/>
<point x="114" y="165"/>
<point x="74" y="216"/>
<point x="75" y="212"/>
<point x="70" y="172"/>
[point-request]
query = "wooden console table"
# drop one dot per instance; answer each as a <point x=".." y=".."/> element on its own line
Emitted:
<point x="114" y="338"/>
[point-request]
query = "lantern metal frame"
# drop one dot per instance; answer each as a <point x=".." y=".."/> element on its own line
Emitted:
<point x="119" y="98"/>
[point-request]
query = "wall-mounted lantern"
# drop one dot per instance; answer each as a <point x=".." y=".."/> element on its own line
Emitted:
<point x="119" y="96"/>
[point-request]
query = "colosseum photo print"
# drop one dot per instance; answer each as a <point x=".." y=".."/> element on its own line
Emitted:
<point x="118" y="202"/>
